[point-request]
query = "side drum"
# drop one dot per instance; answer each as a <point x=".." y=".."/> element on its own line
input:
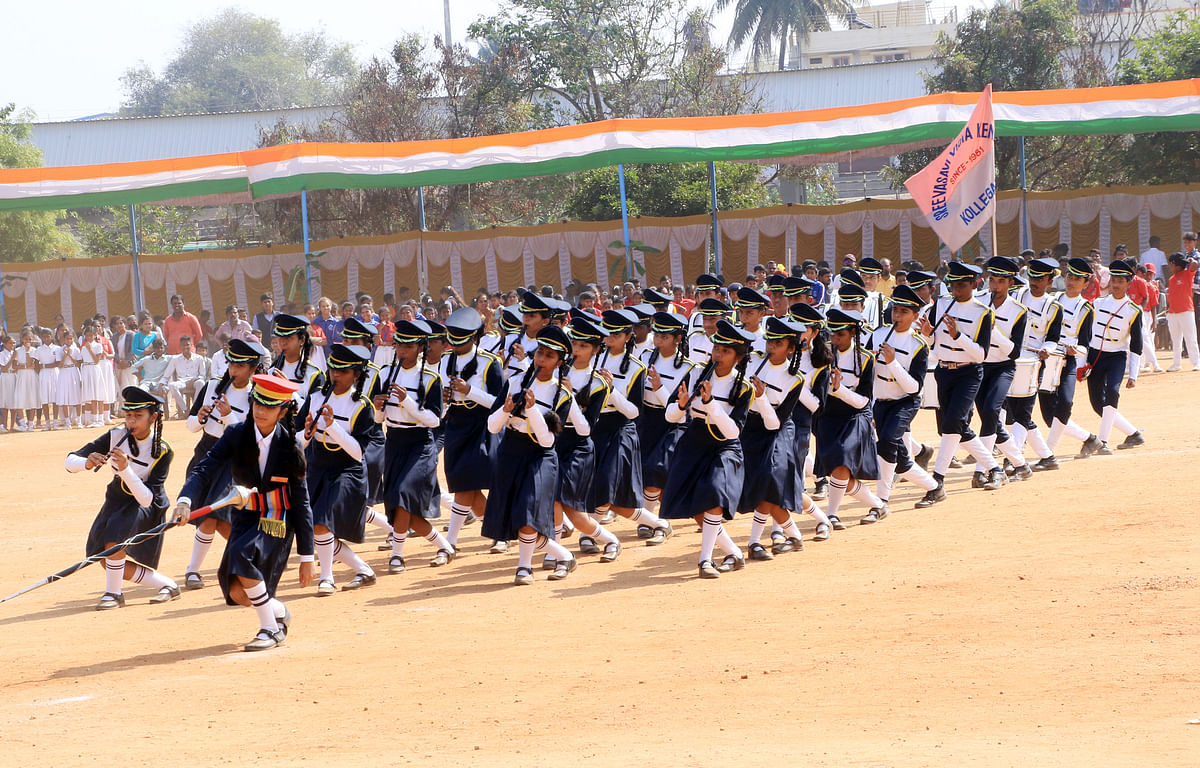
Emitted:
<point x="1052" y="371"/>
<point x="929" y="393"/>
<point x="1025" y="378"/>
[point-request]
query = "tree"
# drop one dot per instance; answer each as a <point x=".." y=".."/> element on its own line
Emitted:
<point x="1172" y="53"/>
<point x="104" y="231"/>
<point x="26" y="235"/>
<point x="665" y="189"/>
<point x="239" y="61"/>
<point x="765" y="21"/>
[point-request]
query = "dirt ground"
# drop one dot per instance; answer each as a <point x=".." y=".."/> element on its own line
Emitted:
<point x="1043" y="624"/>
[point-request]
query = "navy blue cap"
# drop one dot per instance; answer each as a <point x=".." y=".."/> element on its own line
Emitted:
<point x="959" y="270"/>
<point x="730" y="335"/>
<point x="357" y="329"/>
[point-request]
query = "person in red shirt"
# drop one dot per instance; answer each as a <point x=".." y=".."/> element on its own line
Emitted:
<point x="1141" y="293"/>
<point x="1181" y="312"/>
<point x="178" y="324"/>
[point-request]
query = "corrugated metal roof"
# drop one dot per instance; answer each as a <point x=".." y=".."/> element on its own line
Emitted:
<point x="125" y="139"/>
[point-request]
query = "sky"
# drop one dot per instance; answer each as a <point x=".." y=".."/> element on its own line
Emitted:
<point x="64" y="60"/>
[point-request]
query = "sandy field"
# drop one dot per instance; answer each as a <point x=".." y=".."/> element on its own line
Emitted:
<point x="1051" y="623"/>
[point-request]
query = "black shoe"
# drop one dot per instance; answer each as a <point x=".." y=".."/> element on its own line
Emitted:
<point x="1090" y="446"/>
<point x="1009" y="469"/>
<point x="1045" y="465"/>
<point x="822" y="532"/>
<point x="1022" y="472"/>
<point x="875" y="515"/>
<point x="644" y="532"/>
<point x="923" y="456"/>
<point x="193" y="580"/>
<point x="821" y="489"/>
<point x="359" y="580"/>
<point x="777" y="537"/>
<point x="790" y="544"/>
<point x="563" y="568"/>
<point x="708" y="570"/>
<point x="932" y="497"/>
<point x="166" y="595"/>
<point x="836" y="522"/>
<point x="588" y="546"/>
<point x="265" y="640"/>
<point x="386" y="546"/>
<point x="659" y="535"/>
<point x="443" y="557"/>
<point x="732" y="563"/>
<point x="1104" y="450"/>
<point x="567" y="532"/>
<point x="1133" y="441"/>
<point x="549" y="563"/>
<point x="995" y="480"/>
<point x="978" y="479"/>
<point x="759" y="552"/>
<point x="110" y="600"/>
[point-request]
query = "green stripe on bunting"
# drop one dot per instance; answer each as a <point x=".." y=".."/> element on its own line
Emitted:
<point x="125" y="196"/>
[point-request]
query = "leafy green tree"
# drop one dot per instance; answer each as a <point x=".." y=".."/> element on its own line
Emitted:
<point x="238" y="61"/>
<point x="105" y="231"/>
<point x="665" y="189"/>
<point x="26" y="235"/>
<point x="762" y="22"/>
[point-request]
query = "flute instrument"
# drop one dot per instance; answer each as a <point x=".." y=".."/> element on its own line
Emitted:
<point x="705" y="375"/>
<point x="120" y="442"/>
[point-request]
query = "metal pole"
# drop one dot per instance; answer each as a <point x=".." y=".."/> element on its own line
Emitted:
<point x="139" y="300"/>
<point x="422" y="275"/>
<point x="3" y="308"/>
<point x="446" y="11"/>
<point x="716" y="225"/>
<point x="307" y="250"/>
<point x="625" y="222"/>
<point x="1025" y="235"/>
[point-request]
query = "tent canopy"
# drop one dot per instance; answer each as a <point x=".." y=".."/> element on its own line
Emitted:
<point x="807" y="136"/>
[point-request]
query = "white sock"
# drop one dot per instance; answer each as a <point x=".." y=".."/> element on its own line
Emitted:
<point x="1106" y="422"/>
<point x="324" y="546"/>
<point x="1019" y="434"/>
<point x="378" y="519"/>
<point x="602" y="534"/>
<point x="1012" y="452"/>
<point x="776" y="528"/>
<point x="151" y="578"/>
<point x="347" y="556"/>
<point x="860" y="491"/>
<point x="438" y="540"/>
<point x="989" y="443"/>
<point x="200" y="546"/>
<point x="1038" y="443"/>
<point x="757" y="526"/>
<point x="525" y="544"/>
<point x="837" y="489"/>
<point x="1123" y="424"/>
<point x="555" y="550"/>
<point x="278" y="609"/>
<point x="398" y="539"/>
<point x="920" y="478"/>
<point x="811" y="508"/>
<point x="945" y="453"/>
<point x="1076" y="431"/>
<point x="982" y="455"/>
<point x="727" y="544"/>
<point x="1056" y="432"/>
<point x="459" y="513"/>
<point x="653" y="497"/>
<point x="914" y="445"/>
<point x="887" y="474"/>
<point x="810" y="463"/>
<point x="114" y="572"/>
<point x="643" y="516"/>
<point x="791" y="530"/>
<point x="261" y="602"/>
<point x="708" y="535"/>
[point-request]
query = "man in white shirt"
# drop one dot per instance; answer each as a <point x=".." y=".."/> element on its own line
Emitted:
<point x="184" y="376"/>
<point x="1154" y="255"/>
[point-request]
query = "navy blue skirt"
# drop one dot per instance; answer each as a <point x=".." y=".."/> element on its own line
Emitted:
<point x="253" y="554"/>
<point x="411" y="470"/>
<point x="658" y="439"/>
<point x="576" y="468"/>
<point x="222" y="481"/>
<point x="375" y="458"/>
<point x="122" y="517"/>
<point x="338" y="495"/>
<point x="618" y="479"/>
<point x="706" y="473"/>
<point x="468" y="449"/>
<point x="802" y="423"/>
<point x="773" y="477"/>
<point x="524" y="479"/>
<point x="846" y="438"/>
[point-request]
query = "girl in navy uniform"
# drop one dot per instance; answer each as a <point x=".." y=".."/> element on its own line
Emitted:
<point x="1116" y="345"/>
<point x="293" y="362"/>
<point x="1042" y="332"/>
<point x="474" y="380"/>
<point x="356" y="333"/>
<point x="520" y="503"/>
<point x="618" y="481"/>
<point x="219" y="404"/>
<point x="667" y="366"/>
<point x="643" y="339"/>
<point x="134" y="501"/>
<point x="751" y="306"/>
<point x="814" y="355"/>
<point x="576" y="454"/>
<point x="705" y="479"/>
<point x="845" y="437"/>
<point x="411" y="406"/>
<point x="337" y="421"/>
<point x="700" y="344"/>
<point x="773" y="489"/>
<point x="901" y="359"/>
<point x="267" y="459"/>
<point x="1077" y="317"/>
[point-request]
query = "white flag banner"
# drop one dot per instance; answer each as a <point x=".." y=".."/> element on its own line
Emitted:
<point x="957" y="191"/>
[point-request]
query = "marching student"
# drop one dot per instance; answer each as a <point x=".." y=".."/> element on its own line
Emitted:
<point x="474" y="380"/>
<point x="219" y="404"/>
<point x="999" y="365"/>
<point x="267" y="459"/>
<point x="643" y="340"/>
<point x="618" y="483"/>
<point x="709" y="311"/>
<point x="1042" y="332"/>
<point x="356" y="333"/>
<point x="337" y="421"/>
<point x="775" y="294"/>
<point x="705" y="479"/>
<point x="774" y="486"/>
<point x="815" y="354"/>
<point x="960" y="328"/>
<point x="410" y="404"/>
<point x="576" y="453"/>
<point x="901" y="360"/>
<point x="296" y="359"/>
<point x="751" y="306"/>
<point x="842" y="427"/>
<point x="1077" y="316"/>
<point x="48" y="357"/>
<point x="1116" y="345"/>
<point x="68" y="395"/>
<point x="875" y="306"/>
<point x="797" y="290"/>
<point x="707" y="287"/>
<point x="520" y="502"/>
<point x="134" y="501"/>
<point x="667" y="366"/>
<point x="509" y="320"/>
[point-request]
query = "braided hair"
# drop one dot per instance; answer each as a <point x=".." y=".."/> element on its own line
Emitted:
<point x="624" y="368"/>
<point x="681" y="351"/>
<point x="156" y="445"/>
<point x="744" y="351"/>
<point x="820" y="351"/>
<point x="553" y="421"/>
<point x="796" y="354"/>
<point x="305" y="351"/>
<point x="227" y="378"/>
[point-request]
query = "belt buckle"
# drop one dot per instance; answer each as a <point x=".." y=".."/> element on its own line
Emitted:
<point x="949" y="366"/>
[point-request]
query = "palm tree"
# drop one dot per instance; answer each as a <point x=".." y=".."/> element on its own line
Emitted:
<point x="764" y="21"/>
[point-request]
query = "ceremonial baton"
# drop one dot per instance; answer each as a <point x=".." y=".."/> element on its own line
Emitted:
<point x="238" y="497"/>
